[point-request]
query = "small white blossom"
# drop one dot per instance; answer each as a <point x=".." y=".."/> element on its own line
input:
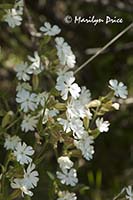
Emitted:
<point x="30" y="176"/>
<point x="65" y="53"/>
<point x="65" y="123"/>
<point x="85" y="145"/>
<point x="41" y="98"/>
<point x="65" y="195"/>
<point x="49" y="30"/>
<point x="13" y="17"/>
<point x="65" y="84"/>
<point x="75" y="125"/>
<point x="36" y="67"/>
<point x="23" y="71"/>
<point x="23" y="153"/>
<point x="50" y="114"/>
<point x="85" y="96"/>
<point x="75" y="109"/>
<point x="129" y="191"/>
<point x="29" y="123"/>
<point x="26" y="100"/>
<point x="68" y="177"/>
<point x="103" y="126"/>
<point x="24" y="85"/>
<point x="119" y="88"/>
<point x="65" y="162"/>
<point x="19" y="183"/>
<point x="11" y="142"/>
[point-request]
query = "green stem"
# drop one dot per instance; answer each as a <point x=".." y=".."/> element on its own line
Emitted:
<point x="12" y="124"/>
<point x="3" y="185"/>
<point x="94" y="117"/>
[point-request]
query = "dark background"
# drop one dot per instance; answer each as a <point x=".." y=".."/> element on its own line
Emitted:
<point x="112" y="166"/>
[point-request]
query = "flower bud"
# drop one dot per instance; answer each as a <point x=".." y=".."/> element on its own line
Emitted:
<point x="116" y="106"/>
<point x="94" y="103"/>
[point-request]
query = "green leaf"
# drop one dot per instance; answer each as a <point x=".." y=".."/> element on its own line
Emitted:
<point x="51" y="176"/>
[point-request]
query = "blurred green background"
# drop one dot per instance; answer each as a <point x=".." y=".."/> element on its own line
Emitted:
<point x="112" y="166"/>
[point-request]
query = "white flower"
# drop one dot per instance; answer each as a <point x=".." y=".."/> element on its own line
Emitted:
<point x="103" y="126"/>
<point x="66" y="124"/>
<point x="119" y="88"/>
<point x="49" y="30"/>
<point x="20" y="184"/>
<point x="75" y="125"/>
<point x="36" y="67"/>
<point x="13" y="17"/>
<point x="85" y="96"/>
<point x="22" y="86"/>
<point x="29" y="123"/>
<point x="50" y="114"/>
<point x="11" y="142"/>
<point x="129" y="193"/>
<point x="65" y="84"/>
<point x="75" y="109"/>
<point x="27" y="100"/>
<point x="85" y="145"/>
<point x="65" y="162"/>
<point x="30" y="176"/>
<point x="23" y="153"/>
<point x="41" y="98"/>
<point x="65" y="53"/>
<point x="23" y="71"/>
<point x="65" y="195"/>
<point x="68" y="177"/>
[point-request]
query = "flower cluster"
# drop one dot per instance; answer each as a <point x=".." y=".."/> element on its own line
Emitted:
<point x="22" y="153"/>
<point x="65" y="115"/>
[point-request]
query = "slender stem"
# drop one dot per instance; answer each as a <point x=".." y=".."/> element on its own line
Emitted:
<point x="104" y="47"/>
<point x="94" y="116"/>
<point x="12" y="124"/>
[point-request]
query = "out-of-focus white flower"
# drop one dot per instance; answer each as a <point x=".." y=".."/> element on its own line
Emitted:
<point x="11" y="142"/>
<point x="41" y="98"/>
<point x="30" y="176"/>
<point x="26" y="100"/>
<point x="85" y="145"/>
<point x="119" y="88"/>
<point x="29" y="123"/>
<point x="19" y="183"/>
<point x="129" y="193"/>
<point x="68" y="177"/>
<point x="23" y="153"/>
<point x="24" y="85"/>
<point x="13" y="17"/>
<point x="65" y="123"/>
<point x="50" y="30"/>
<point x="50" y="114"/>
<point x="65" y="84"/>
<point x="36" y="67"/>
<point x="65" y="53"/>
<point x="23" y="71"/>
<point x="65" y="162"/>
<point x="103" y="126"/>
<point x="65" y="195"/>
